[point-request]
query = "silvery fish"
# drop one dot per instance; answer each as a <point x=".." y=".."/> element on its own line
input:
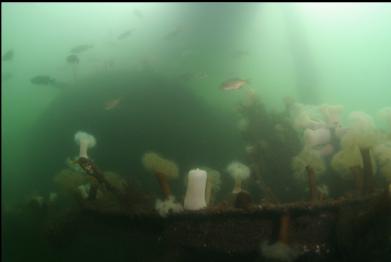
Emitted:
<point x="8" y="55"/>
<point x="80" y="48"/>
<point x="233" y="84"/>
<point x="111" y="104"/>
<point x="125" y="34"/>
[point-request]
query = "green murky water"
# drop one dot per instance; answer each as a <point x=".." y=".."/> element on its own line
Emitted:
<point x="277" y="87"/>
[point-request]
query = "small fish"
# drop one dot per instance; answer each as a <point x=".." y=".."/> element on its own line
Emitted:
<point x="8" y="56"/>
<point x="111" y="44"/>
<point x="42" y="80"/>
<point x="240" y="53"/>
<point x="201" y="75"/>
<point x="188" y="53"/>
<point x="125" y="34"/>
<point x="48" y="81"/>
<point x="173" y="33"/>
<point x="109" y="62"/>
<point x="81" y="48"/>
<point x="111" y="104"/>
<point x="185" y="77"/>
<point x="233" y="84"/>
<point x="138" y="13"/>
<point x="193" y="76"/>
<point x="73" y="59"/>
<point x="289" y="102"/>
<point x="93" y="59"/>
<point x="5" y="77"/>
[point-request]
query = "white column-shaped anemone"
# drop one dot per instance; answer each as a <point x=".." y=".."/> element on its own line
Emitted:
<point x="85" y="141"/>
<point x="239" y="172"/>
<point x="195" y="193"/>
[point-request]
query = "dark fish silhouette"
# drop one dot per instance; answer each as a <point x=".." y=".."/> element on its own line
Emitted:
<point x="193" y="76"/>
<point x="173" y="33"/>
<point x="8" y="56"/>
<point x="73" y="59"/>
<point x="125" y="34"/>
<point x="42" y="80"/>
<point x="81" y="48"/>
<point x="138" y="13"/>
<point x="240" y="54"/>
<point x="5" y="77"/>
<point x="185" y="77"/>
<point x="45" y="80"/>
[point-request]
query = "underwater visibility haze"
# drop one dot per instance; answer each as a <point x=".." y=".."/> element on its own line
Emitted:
<point x="196" y="131"/>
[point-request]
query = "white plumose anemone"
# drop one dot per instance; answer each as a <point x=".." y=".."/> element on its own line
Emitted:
<point x="279" y="252"/>
<point x="85" y="141"/>
<point x="84" y="190"/>
<point x="307" y="157"/>
<point x="332" y="114"/>
<point x="239" y="172"/>
<point x="317" y="137"/>
<point x="168" y="206"/>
